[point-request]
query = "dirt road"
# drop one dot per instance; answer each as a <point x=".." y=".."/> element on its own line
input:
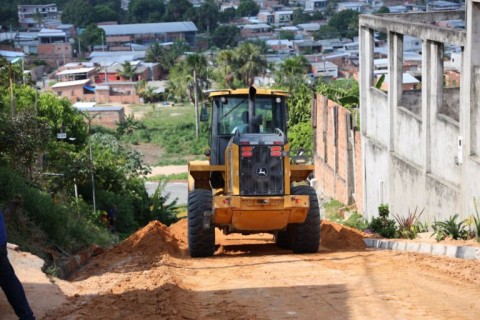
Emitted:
<point x="150" y="276"/>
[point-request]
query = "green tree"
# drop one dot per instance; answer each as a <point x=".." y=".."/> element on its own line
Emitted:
<point x="300" y="104"/>
<point x="78" y="13"/>
<point x="91" y="36"/>
<point x="206" y="17"/>
<point x="225" y="36"/>
<point x="176" y="10"/>
<point x="326" y="32"/>
<point x="128" y="71"/>
<point x="9" y="14"/>
<point x="331" y="7"/>
<point x="227" y="15"/>
<point x="343" y="91"/>
<point x="292" y="71"/>
<point x="383" y="9"/>
<point x="166" y="56"/>
<point x="248" y="62"/>
<point x="286" y="34"/>
<point x="247" y="8"/>
<point x="142" y="11"/>
<point x="22" y="139"/>
<point x="345" y="22"/>
<point x="181" y="80"/>
<point x="104" y="12"/>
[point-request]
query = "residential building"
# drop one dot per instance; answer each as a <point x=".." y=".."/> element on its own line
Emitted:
<point x="54" y="47"/>
<point x="266" y="17"/>
<point x="315" y="5"/>
<point x="325" y="69"/>
<point x="281" y="18"/>
<point x="38" y="16"/>
<point x="443" y="6"/>
<point x="121" y="37"/>
<point x="355" y="6"/>
<point x="255" y="30"/>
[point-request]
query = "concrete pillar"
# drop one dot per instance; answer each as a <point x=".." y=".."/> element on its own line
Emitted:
<point x="366" y="78"/>
<point x="470" y="106"/>
<point x="366" y="73"/>
<point x="432" y="94"/>
<point x="395" y="67"/>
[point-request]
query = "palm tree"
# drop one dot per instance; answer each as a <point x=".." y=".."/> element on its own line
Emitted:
<point x="190" y="77"/>
<point x="128" y="70"/>
<point x="248" y="62"/>
<point x="291" y="71"/>
<point x="154" y="53"/>
<point x="225" y="66"/>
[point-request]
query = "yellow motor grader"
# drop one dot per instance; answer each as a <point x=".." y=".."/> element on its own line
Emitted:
<point x="251" y="183"/>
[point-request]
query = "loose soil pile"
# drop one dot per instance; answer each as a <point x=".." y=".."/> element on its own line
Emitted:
<point x="148" y="276"/>
<point x="334" y="236"/>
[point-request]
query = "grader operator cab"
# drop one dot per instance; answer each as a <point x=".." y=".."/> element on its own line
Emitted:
<point x="251" y="183"/>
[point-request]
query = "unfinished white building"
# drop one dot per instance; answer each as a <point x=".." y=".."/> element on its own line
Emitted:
<point x="421" y="147"/>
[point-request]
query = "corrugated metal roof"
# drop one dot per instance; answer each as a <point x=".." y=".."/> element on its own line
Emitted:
<point x="70" y="83"/>
<point x="74" y="71"/>
<point x="145" y="28"/>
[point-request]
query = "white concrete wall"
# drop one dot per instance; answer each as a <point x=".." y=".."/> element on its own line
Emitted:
<point x="378" y="122"/>
<point x="376" y="176"/>
<point x="408" y="137"/>
<point x="444" y="149"/>
<point x="409" y="157"/>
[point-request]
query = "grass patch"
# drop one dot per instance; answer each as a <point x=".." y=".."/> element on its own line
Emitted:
<point x="332" y="208"/>
<point x="170" y="177"/>
<point x="172" y="128"/>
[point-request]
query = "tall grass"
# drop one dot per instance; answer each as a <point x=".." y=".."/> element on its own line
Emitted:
<point x="173" y="129"/>
<point x="64" y="225"/>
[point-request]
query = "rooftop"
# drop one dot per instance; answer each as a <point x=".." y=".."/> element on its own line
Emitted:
<point x="145" y="28"/>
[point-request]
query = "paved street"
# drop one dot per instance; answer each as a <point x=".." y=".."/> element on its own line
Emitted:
<point x="176" y="189"/>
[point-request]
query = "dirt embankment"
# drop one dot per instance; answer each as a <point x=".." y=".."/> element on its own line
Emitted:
<point x="151" y="276"/>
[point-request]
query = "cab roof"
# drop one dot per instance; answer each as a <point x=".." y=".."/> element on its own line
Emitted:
<point x="244" y="91"/>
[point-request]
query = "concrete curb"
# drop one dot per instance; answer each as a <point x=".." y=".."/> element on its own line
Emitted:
<point x="462" y="252"/>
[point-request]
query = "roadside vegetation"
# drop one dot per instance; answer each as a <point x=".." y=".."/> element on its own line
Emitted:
<point x="404" y="227"/>
<point x="60" y="175"/>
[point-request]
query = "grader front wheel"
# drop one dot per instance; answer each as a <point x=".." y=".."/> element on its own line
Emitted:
<point x="201" y="238"/>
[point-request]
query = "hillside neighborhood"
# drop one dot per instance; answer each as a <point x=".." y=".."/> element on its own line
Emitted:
<point x="98" y="77"/>
<point x="328" y="150"/>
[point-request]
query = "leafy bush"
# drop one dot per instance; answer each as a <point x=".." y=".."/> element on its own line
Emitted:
<point x="450" y="228"/>
<point x="476" y="220"/>
<point x="383" y="210"/>
<point x="300" y="135"/>
<point x="381" y="224"/>
<point x="332" y="208"/>
<point x="162" y="211"/>
<point x="407" y="227"/>
<point x="356" y="221"/>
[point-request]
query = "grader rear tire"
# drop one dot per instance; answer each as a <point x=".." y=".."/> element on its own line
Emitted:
<point x="306" y="238"/>
<point x="201" y="241"/>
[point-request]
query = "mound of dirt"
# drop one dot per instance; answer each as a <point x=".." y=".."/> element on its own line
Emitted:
<point x="151" y="240"/>
<point x="334" y="236"/>
<point x="144" y="247"/>
<point x="179" y="231"/>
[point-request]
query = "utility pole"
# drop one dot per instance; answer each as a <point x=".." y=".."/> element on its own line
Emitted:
<point x="93" y="181"/>
<point x="12" y="100"/>
<point x="197" y="122"/>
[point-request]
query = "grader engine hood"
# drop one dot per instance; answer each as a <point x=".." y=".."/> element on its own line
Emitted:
<point x="260" y="162"/>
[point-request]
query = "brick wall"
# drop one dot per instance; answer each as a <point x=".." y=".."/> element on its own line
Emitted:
<point x="338" y="169"/>
<point x="108" y="119"/>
